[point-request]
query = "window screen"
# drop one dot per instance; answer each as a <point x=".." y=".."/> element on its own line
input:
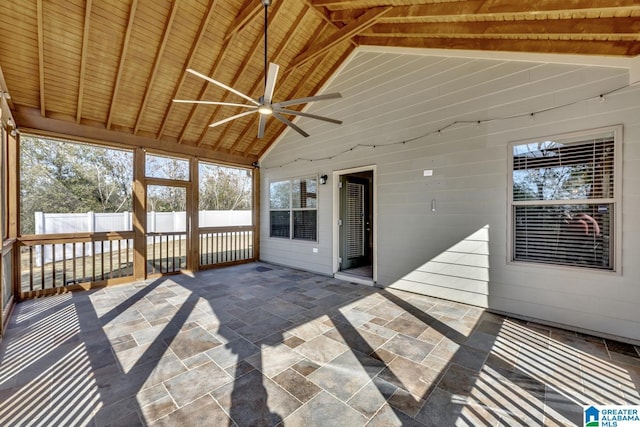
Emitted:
<point x="563" y="201"/>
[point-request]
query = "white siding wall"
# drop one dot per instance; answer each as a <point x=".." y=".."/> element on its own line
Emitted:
<point x="459" y="252"/>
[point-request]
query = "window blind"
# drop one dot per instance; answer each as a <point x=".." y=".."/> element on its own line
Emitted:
<point x="563" y="202"/>
<point x="293" y="209"/>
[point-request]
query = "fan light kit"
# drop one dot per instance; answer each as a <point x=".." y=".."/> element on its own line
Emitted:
<point x="264" y="105"/>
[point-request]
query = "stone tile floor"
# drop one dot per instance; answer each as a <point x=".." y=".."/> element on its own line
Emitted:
<point x="257" y="344"/>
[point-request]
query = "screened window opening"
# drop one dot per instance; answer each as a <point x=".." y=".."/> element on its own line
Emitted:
<point x="293" y="209"/>
<point x="564" y="201"/>
<point x="72" y="187"/>
<point x="225" y="196"/>
<point x="165" y="167"/>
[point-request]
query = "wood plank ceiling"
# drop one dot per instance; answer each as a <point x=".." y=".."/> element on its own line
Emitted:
<point x="108" y="69"/>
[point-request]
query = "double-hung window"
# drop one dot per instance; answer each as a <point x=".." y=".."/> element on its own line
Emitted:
<point x="564" y="199"/>
<point x="293" y="207"/>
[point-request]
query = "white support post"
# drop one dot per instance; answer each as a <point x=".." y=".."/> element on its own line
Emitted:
<point x="39" y="229"/>
<point x="91" y="225"/>
<point x="39" y="218"/>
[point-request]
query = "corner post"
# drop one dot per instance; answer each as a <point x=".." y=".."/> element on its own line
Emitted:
<point x="139" y="216"/>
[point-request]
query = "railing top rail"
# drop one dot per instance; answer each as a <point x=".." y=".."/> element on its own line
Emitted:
<point x="167" y="233"/>
<point x="40" y="239"/>
<point x="226" y="229"/>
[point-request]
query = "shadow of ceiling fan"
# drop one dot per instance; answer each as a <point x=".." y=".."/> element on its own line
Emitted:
<point x="264" y="105"/>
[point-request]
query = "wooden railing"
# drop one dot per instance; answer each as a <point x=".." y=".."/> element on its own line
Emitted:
<point x="221" y="245"/>
<point x="54" y="261"/>
<point x="166" y="252"/>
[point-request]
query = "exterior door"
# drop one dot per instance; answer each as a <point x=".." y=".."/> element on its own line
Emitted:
<point x="355" y="222"/>
<point x="167" y="230"/>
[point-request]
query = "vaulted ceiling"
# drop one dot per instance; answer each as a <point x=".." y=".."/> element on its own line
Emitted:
<point x="109" y="69"/>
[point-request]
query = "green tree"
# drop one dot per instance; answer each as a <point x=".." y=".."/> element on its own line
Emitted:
<point x="63" y="177"/>
<point x="224" y="188"/>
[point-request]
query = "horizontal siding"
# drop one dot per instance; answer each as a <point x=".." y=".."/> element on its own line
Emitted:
<point x="389" y="98"/>
<point x="295" y="253"/>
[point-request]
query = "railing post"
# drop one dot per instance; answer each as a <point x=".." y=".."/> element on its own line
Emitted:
<point x="256" y="213"/>
<point x="193" y="218"/>
<point x="139" y="216"/>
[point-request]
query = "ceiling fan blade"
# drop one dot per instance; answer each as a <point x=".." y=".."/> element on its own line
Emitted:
<point x="270" y="84"/>
<point x="308" y="99"/>
<point x="229" y="104"/>
<point x="228" y="119"/>
<point x="312" y="116"/>
<point x="261" y="125"/>
<point x="222" y="85"/>
<point x="290" y="124"/>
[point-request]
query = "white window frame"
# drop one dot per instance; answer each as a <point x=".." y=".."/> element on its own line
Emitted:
<point x="291" y="209"/>
<point x="616" y="234"/>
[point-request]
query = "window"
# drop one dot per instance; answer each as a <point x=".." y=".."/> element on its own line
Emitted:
<point x="226" y="195"/>
<point x="69" y="187"/>
<point x="564" y="200"/>
<point x="293" y="209"/>
<point x="165" y="167"/>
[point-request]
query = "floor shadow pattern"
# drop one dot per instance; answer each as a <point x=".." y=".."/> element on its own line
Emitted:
<point x="257" y="344"/>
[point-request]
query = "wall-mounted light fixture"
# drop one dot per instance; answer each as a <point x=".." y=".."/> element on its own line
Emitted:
<point x="323" y="179"/>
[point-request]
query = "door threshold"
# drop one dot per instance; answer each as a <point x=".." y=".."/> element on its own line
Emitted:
<point x="341" y="275"/>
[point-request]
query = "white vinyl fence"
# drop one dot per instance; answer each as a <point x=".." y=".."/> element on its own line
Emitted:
<point x="91" y="222"/>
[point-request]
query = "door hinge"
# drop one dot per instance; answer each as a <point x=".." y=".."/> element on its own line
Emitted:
<point x="340" y="184"/>
<point x="339" y="223"/>
<point x="339" y="260"/>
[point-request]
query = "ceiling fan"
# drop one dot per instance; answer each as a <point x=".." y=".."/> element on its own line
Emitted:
<point x="264" y="105"/>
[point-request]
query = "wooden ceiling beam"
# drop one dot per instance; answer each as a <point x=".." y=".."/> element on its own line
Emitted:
<point x="5" y="89"/>
<point x="353" y="28"/>
<point x="338" y="63"/>
<point x="509" y="6"/>
<point x="253" y="123"/>
<point x="336" y="4"/>
<point x="224" y="51"/>
<point x="634" y="49"/>
<point x="41" y="56"/>
<point x="234" y="82"/>
<point x="293" y="93"/>
<point x="33" y="123"/>
<point x="247" y="15"/>
<point x="156" y="63"/>
<point x="241" y="71"/>
<point x="123" y="56"/>
<point x="290" y="95"/>
<point x="183" y="74"/>
<point x="592" y="47"/>
<point x="83" y="58"/>
<point x="232" y="31"/>
<point x="312" y="6"/>
<point x="489" y="8"/>
<point x="630" y="26"/>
